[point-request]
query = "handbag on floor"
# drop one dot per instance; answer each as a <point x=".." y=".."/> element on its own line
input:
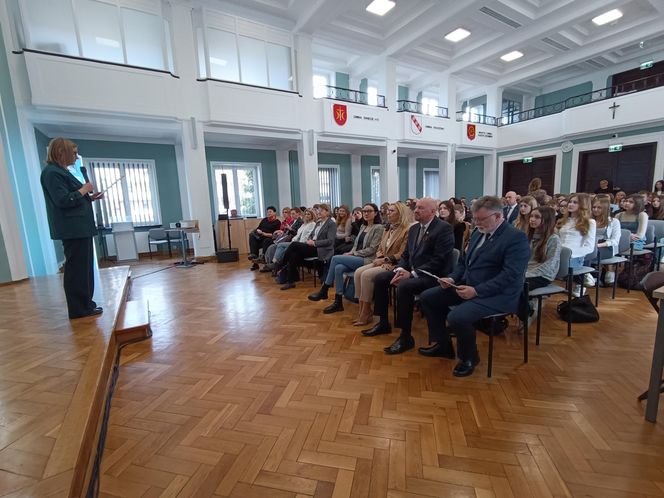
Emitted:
<point x="581" y="309"/>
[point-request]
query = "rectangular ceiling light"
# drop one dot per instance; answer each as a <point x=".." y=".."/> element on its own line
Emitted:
<point x="511" y="56"/>
<point x="380" y="7"/>
<point x="607" y="17"/>
<point x="457" y="35"/>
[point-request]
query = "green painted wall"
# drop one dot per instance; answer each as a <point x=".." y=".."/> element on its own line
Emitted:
<point x="563" y="94"/>
<point x="419" y="176"/>
<point x="469" y="177"/>
<point x="19" y="176"/>
<point x="364" y="88"/>
<point x="366" y="163"/>
<point x="345" y="174"/>
<point x="266" y="158"/>
<point x="402" y="92"/>
<point x="294" y="169"/>
<point x="342" y="80"/>
<point x="402" y="168"/>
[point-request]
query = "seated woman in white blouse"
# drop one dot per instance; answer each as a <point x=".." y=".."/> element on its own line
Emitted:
<point x="576" y="230"/>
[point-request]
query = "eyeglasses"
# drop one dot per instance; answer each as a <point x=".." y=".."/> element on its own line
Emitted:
<point x="482" y="220"/>
<point x="367" y="211"/>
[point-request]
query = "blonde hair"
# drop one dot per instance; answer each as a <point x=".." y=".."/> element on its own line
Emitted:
<point x="521" y="221"/>
<point x="583" y="217"/>
<point x="405" y="214"/>
<point x="60" y="151"/>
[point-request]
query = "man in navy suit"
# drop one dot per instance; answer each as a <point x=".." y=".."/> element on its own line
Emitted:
<point x="511" y="210"/>
<point x="488" y="280"/>
<point x="429" y="248"/>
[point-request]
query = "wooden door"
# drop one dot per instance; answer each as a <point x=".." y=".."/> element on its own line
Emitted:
<point x="630" y="170"/>
<point x="517" y="175"/>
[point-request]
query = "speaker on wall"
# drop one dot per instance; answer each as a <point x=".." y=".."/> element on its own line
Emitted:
<point x="224" y="191"/>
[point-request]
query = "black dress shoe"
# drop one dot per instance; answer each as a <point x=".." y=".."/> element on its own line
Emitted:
<point x="440" y="349"/>
<point x="93" y="312"/>
<point x="378" y="329"/>
<point x="401" y="345"/>
<point x="465" y="368"/>
<point x="254" y="267"/>
<point x="289" y="285"/>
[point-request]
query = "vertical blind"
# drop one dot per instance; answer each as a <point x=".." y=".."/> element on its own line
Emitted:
<point x="375" y="186"/>
<point x="431" y="184"/>
<point x="328" y="181"/>
<point x="130" y="191"/>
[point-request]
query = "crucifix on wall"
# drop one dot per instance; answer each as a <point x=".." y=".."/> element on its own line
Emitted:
<point x="613" y="108"/>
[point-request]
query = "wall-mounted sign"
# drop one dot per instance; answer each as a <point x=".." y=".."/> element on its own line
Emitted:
<point x="415" y="124"/>
<point x="353" y="119"/>
<point x="471" y="131"/>
<point x="423" y="128"/>
<point x="527" y="160"/>
<point x="340" y="112"/>
<point x="615" y="148"/>
<point x="479" y="135"/>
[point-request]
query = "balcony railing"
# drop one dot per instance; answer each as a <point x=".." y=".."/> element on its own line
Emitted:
<point x="476" y="118"/>
<point x="412" y="106"/>
<point x="348" y="95"/>
<point x="639" y="85"/>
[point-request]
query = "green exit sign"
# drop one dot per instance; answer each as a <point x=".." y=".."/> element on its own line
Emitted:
<point x="615" y="148"/>
<point x="527" y="160"/>
<point x="646" y="65"/>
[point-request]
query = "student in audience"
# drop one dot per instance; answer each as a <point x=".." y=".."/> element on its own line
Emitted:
<point x="608" y="239"/>
<point x="526" y="205"/>
<point x="286" y="216"/>
<point x="618" y="201"/>
<point x="655" y="210"/>
<point x="343" y="241"/>
<point x="282" y="238"/>
<point x="544" y="247"/>
<point x="487" y="280"/>
<point x="634" y="218"/>
<point x="363" y="252"/>
<point x="562" y="207"/>
<point x="429" y="248"/>
<point x="446" y="213"/>
<point x="320" y="243"/>
<point x="534" y="185"/>
<point x="335" y="213"/>
<point x="460" y="218"/>
<point x="392" y="245"/>
<point x="383" y="211"/>
<point x="658" y="189"/>
<point x="576" y="230"/>
<point x="604" y="187"/>
<point x="261" y="237"/>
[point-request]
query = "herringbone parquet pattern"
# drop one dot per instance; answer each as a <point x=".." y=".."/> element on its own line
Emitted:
<point x="246" y="390"/>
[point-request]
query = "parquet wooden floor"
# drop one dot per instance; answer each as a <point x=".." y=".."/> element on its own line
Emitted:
<point x="249" y="391"/>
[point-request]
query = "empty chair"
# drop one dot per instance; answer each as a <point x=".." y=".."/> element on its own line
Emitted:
<point x="623" y="246"/>
<point x="657" y="244"/>
<point x="158" y="237"/>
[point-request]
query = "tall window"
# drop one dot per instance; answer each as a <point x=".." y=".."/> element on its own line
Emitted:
<point x="431" y="183"/>
<point x="320" y="86"/>
<point x="375" y="185"/>
<point x="328" y="184"/>
<point x="102" y="30"/>
<point x="429" y="106"/>
<point x="130" y="187"/>
<point x="242" y="50"/>
<point x="244" y="188"/>
<point x="372" y="95"/>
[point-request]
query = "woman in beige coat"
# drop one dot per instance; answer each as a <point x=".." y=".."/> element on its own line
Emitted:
<point x="393" y="243"/>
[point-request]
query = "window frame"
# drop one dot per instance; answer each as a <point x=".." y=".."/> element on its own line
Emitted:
<point x="154" y="188"/>
<point x="424" y="182"/>
<point x="235" y="165"/>
<point x="336" y="168"/>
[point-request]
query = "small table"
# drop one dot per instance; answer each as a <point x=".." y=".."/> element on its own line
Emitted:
<point x="657" y="362"/>
<point x="185" y="263"/>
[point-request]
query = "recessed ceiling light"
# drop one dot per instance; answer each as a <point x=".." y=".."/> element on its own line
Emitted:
<point x="511" y="56"/>
<point x="457" y="35"/>
<point x="607" y="17"/>
<point x="380" y="7"/>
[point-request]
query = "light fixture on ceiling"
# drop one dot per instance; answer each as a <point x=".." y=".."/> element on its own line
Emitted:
<point x="513" y="55"/>
<point x="457" y="35"/>
<point x="380" y="7"/>
<point x="607" y="17"/>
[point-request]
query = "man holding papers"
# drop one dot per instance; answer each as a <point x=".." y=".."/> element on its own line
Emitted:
<point x="488" y="280"/>
<point x="430" y="244"/>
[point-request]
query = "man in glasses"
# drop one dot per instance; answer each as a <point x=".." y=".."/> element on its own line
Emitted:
<point x="429" y="248"/>
<point x="488" y="280"/>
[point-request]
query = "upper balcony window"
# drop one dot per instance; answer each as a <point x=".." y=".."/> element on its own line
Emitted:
<point x="100" y="30"/>
<point x="320" y="86"/>
<point x="235" y="49"/>
<point x="429" y="106"/>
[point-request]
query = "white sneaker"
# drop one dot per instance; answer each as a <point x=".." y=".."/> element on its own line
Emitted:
<point x="578" y="290"/>
<point x="588" y="280"/>
<point x="609" y="277"/>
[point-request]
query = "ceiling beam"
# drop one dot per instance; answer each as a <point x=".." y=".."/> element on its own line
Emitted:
<point x="319" y="13"/>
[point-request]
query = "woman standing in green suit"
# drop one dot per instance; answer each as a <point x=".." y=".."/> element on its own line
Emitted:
<point x="71" y="220"/>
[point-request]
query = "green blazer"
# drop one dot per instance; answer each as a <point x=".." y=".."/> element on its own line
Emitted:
<point x="70" y="214"/>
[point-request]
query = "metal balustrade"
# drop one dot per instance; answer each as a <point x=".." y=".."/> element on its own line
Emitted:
<point x="476" y="118"/>
<point x="349" y="95"/>
<point x="412" y="106"/>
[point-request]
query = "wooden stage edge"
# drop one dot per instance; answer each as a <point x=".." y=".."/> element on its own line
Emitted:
<point x="55" y="380"/>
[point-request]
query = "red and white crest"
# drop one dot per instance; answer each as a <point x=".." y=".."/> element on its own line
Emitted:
<point x="415" y="125"/>
<point x="471" y="131"/>
<point x="340" y="112"/>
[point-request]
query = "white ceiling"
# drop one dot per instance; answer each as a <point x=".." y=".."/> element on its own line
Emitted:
<point x="557" y="37"/>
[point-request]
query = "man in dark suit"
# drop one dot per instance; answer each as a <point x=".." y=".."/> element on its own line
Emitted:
<point x="511" y="210"/>
<point x="488" y="280"/>
<point x="429" y="248"/>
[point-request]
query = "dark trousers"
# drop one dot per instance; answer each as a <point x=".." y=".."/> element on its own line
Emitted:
<point x="406" y="292"/>
<point x="537" y="282"/>
<point x="257" y="242"/>
<point x="79" y="280"/>
<point x="436" y="304"/>
<point x="294" y="256"/>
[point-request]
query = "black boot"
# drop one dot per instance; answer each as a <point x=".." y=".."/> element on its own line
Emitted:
<point x="321" y="294"/>
<point x="337" y="305"/>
